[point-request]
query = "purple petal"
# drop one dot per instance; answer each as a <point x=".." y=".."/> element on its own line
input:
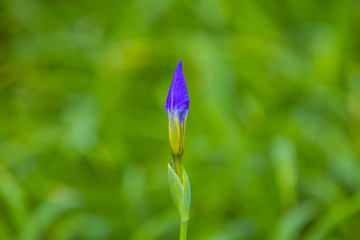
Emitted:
<point x="177" y="101"/>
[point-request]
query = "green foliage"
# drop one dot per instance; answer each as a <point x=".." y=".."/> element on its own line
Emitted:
<point x="272" y="141"/>
<point x="180" y="193"/>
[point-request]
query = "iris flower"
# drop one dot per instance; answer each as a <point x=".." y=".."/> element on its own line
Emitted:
<point x="177" y="106"/>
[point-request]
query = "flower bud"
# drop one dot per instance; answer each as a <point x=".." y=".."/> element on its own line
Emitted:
<point x="177" y="106"/>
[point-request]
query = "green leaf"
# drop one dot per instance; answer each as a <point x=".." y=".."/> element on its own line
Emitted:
<point x="180" y="193"/>
<point x="186" y="198"/>
<point x="176" y="188"/>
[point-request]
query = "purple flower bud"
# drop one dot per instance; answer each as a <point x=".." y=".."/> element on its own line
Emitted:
<point x="177" y="106"/>
<point x="177" y="102"/>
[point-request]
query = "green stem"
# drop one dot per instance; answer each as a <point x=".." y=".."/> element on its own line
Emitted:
<point x="178" y="167"/>
<point x="183" y="230"/>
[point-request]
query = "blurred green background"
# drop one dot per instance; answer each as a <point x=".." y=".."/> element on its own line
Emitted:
<point x="273" y="132"/>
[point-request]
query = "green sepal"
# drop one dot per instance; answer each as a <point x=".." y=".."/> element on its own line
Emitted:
<point x="180" y="193"/>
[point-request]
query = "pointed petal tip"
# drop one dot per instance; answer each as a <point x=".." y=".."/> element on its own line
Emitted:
<point x="179" y="66"/>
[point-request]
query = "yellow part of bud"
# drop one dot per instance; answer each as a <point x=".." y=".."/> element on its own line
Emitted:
<point x="176" y="140"/>
<point x="176" y="136"/>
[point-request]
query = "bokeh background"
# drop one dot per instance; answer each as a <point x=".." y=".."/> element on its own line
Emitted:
<point x="273" y="133"/>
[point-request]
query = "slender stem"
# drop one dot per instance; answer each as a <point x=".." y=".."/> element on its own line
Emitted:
<point x="178" y="167"/>
<point x="183" y="230"/>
